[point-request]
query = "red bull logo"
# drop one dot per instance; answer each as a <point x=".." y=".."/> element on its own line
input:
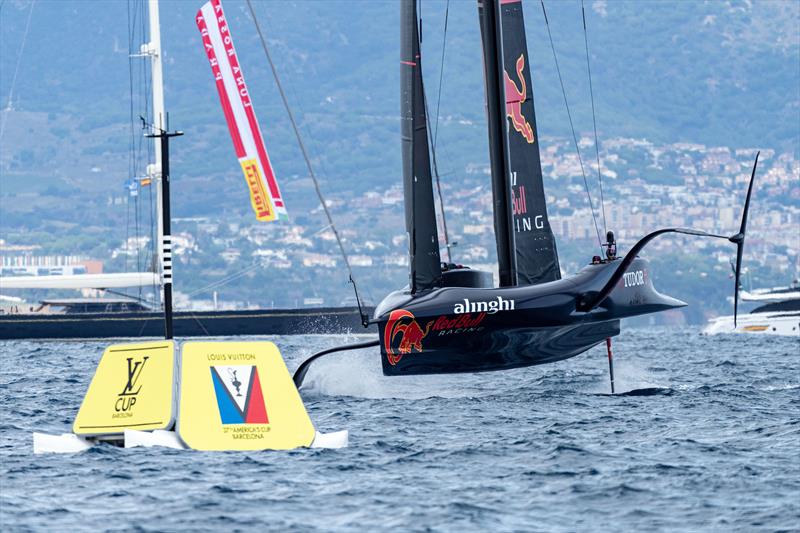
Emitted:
<point x="402" y="327"/>
<point x="514" y="99"/>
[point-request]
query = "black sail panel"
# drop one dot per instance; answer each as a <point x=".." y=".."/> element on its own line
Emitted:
<point x="537" y="257"/>
<point x="423" y="237"/>
<point x="488" y="14"/>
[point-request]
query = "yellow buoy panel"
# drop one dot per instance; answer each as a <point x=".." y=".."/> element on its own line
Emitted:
<point x="239" y="396"/>
<point x="132" y="388"/>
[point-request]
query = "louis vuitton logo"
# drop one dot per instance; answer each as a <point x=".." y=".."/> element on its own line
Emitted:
<point x="134" y="373"/>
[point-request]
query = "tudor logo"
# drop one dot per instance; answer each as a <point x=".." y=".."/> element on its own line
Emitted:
<point x="490" y="307"/>
<point x="633" y="279"/>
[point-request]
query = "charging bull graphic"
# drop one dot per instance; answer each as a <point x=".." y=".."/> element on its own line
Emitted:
<point x="402" y="324"/>
<point x="514" y="99"/>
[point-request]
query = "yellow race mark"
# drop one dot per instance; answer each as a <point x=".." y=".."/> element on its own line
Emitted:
<point x="239" y="396"/>
<point x="131" y="389"/>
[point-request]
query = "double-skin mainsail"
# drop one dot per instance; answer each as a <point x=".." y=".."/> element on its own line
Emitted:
<point x="423" y="237"/>
<point x="526" y="252"/>
<point x="526" y="246"/>
<point x="537" y="257"/>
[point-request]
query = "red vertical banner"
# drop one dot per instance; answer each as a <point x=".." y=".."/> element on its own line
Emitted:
<point x="248" y="142"/>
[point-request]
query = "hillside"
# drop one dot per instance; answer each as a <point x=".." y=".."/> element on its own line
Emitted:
<point x="718" y="74"/>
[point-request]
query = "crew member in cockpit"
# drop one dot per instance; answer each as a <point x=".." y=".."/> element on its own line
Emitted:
<point x="611" y="246"/>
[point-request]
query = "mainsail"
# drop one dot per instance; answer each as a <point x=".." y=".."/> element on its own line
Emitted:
<point x="265" y="196"/>
<point x="425" y="263"/>
<point x="537" y="257"/>
<point x="488" y="13"/>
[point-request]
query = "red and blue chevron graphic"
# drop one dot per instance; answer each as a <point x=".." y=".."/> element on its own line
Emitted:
<point x="239" y="396"/>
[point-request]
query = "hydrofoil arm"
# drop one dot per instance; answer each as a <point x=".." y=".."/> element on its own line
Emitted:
<point x="591" y="300"/>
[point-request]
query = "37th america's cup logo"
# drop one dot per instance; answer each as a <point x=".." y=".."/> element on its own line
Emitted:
<point x="402" y="334"/>
<point x="240" y="399"/>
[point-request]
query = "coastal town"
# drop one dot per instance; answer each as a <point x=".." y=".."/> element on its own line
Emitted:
<point x="242" y="263"/>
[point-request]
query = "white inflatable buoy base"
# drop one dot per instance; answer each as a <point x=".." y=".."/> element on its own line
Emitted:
<point x="148" y="439"/>
<point x="335" y="440"/>
<point x="64" y="443"/>
<point x="71" y="443"/>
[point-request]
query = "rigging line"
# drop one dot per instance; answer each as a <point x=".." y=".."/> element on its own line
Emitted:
<point x="140" y="299"/>
<point x="302" y="147"/>
<point x="145" y="146"/>
<point x="441" y="74"/>
<point x="132" y="141"/>
<point x="226" y="279"/>
<point x="438" y="185"/>
<point x="151" y="251"/>
<point x="127" y="227"/>
<point x="132" y="144"/>
<point x="594" y="119"/>
<point x="572" y="127"/>
<point x="136" y="225"/>
<point x="131" y="83"/>
<point x="308" y="133"/>
<point x="436" y="133"/>
<point x="16" y="71"/>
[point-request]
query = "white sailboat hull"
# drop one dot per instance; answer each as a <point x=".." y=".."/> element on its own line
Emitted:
<point x="778" y="323"/>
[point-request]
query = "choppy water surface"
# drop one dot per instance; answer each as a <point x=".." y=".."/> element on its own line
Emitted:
<point x="713" y="443"/>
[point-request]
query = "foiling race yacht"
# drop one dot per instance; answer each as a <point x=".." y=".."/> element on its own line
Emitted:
<point x="453" y="319"/>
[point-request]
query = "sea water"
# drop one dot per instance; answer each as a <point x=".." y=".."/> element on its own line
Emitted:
<point x="706" y="436"/>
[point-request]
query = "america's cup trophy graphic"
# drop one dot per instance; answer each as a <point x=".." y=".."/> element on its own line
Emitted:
<point x="235" y="382"/>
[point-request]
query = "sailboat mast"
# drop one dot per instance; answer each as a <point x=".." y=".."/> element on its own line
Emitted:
<point x="491" y="38"/>
<point x="420" y="211"/>
<point x="163" y="137"/>
<point x="153" y="50"/>
<point x="159" y="170"/>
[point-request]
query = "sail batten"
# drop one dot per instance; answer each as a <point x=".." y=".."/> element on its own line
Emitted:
<point x="420" y="212"/>
<point x="536" y="253"/>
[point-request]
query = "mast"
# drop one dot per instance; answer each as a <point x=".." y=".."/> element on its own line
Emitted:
<point x="152" y="49"/>
<point x="166" y="241"/>
<point x="158" y="171"/>
<point x="534" y="243"/>
<point x="424" y="260"/>
<point x="488" y="12"/>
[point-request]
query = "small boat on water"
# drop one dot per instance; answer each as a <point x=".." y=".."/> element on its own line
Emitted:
<point x="777" y="314"/>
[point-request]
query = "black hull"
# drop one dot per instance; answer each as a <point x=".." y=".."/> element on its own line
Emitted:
<point x="463" y="329"/>
<point x="504" y="349"/>
<point x="324" y="320"/>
